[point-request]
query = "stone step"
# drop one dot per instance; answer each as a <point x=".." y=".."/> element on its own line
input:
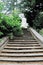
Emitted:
<point x="7" y="59"/>
<point x="23" y="42"/>
<point x="21" y="63"/>
<point x="21" y="48"/>
<point x="24" y="38"/>
<point x="22" y="51"/>
<point x="21" y="55"/>
<point x="31" y="45"/>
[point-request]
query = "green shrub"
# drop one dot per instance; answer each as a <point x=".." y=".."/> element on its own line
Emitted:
<point x="11" y="23"/>
<point x="17" y="31"/>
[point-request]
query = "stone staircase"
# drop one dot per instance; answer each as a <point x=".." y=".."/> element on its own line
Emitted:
<point x="24" y="50"/>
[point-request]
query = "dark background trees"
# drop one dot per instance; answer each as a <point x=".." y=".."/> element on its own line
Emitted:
<point x="36" y="6"/>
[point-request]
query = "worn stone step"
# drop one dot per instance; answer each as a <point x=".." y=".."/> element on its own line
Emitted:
<point x="21" y="55"/>
<point x="24" y="38"/>
<point x="21" y="63"/>
<point x="21" y="48"/>
<point x="23" y="42"/>
<point x="7" y="59"/>
<point x="24" y="35"/>
<point x="22" y="45"/>
<point x="22" y="51"/>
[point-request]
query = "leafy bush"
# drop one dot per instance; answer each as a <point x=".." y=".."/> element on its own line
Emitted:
<point x="10" y="24"/>
<point x="17" y="31"/>
<point x="3" y="28"/>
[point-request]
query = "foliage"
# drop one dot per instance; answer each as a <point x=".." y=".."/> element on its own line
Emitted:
<point x="38" y="22"/>
<point x="0" y="40"/>
<point x="17" y="31"/>
<point x="16" y="12"/>
<point x="10" y="23"/>
<point x="1" y="6"/>
<point x="41" y="32"/>
<point x="11" y="35"/>
<point x="1" y="34"/>
<point x="33" y="2"/>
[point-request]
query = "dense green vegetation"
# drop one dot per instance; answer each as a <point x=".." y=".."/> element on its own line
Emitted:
<point x="11" y="23"/>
